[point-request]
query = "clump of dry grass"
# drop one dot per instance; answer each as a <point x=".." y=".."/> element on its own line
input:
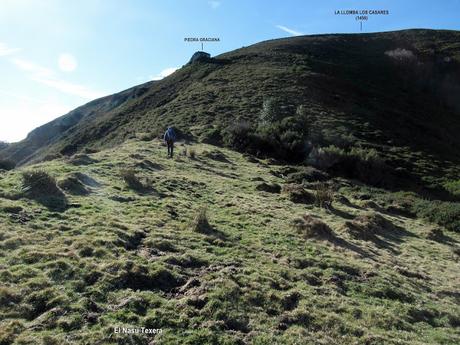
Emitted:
<point x="38" y="182"/>
<point x="39" y="185"/>
<point x="200" y="222"/>
<point x="367" y="226"/>
<point x="309" y="226"/>
<point x="298" y="194"/>
<point x="131" y="179"/>
<point x="73" y="185"/>
<point x="145" y="136"/>
<point x="192" y="153"/>
<point x="324" y="195"/>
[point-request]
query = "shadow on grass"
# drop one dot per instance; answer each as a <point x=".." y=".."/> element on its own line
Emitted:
<point x="55" y="202"/>
<point x="340" y="213"/>
<point x="378" y="230"/>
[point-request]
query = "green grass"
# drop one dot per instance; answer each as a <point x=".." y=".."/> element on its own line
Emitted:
<point x="118" y="256"/>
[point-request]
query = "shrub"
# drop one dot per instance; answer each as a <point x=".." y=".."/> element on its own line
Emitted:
<point x="278" y="133"/>
<point x="239" y="136"/>
<point x="453" y="187"/>
<point x="39" y="185"/>
<point x="446" y="214"/>
<point x="370" y="167"/>
<point x="401" y="54"/>
<point x="271" y="111"/>
<point x="362" y="164"/>
<point x="312" y="227"/>
<point x="339" y="137"/>
<point x="286" y="138"/>
<point x="51" y="157"/>
<point x="326" y="157"/>
<point x="7" y="164"/>
<point x="132" y="180"/>
<point x="323" y="195"/>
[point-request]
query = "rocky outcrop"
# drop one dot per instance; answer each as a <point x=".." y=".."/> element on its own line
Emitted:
<point x="200" y="57"/>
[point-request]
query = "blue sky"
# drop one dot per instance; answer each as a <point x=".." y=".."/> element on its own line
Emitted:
<point x="58" y="54"/>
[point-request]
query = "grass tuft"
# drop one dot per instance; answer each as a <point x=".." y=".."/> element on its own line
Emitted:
<point x="200" y="222"/>
<point x="39" y="185"/>
<point x="309" y="226"/>
<point x="324" y="195"/>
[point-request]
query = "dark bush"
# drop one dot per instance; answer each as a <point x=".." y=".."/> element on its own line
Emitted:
<point x="443" y="213"/>
<point x="239" y="136"/>
<point x="362" y="164"/>
<point x="275" y="135"/>
<point x="453" y="187"/>
<point x="286" y="139"/>
<point x="6" y="164"/>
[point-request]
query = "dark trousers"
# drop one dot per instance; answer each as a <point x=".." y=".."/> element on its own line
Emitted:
<point x="170" y="144"/>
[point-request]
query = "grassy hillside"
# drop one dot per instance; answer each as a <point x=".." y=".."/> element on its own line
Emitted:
<point x="390" y="91"/>
<point x="326" y="210"/>
<point x="216" y="247"/>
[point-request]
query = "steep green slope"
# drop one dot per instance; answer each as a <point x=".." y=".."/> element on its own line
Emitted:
<point x="39" y="140"/>
<point x="132" y="246"/>
<point x="393" y="91"/>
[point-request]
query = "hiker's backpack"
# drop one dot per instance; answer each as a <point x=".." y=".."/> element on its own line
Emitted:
<point x="170" y="135"/>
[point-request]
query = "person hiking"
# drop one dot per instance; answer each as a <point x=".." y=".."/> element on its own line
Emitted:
<point x="169" y="138"/>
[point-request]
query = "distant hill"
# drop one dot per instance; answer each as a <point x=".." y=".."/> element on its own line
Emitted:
<point x="394" y="91"/>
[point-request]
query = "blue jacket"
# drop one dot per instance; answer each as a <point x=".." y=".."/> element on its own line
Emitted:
<point x="170" y="135"/>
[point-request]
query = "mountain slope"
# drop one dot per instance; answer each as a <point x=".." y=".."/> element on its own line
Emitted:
<point x="45" y="136"/>
<point x="392" y="90"/>
<point x="249" y="270"/>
